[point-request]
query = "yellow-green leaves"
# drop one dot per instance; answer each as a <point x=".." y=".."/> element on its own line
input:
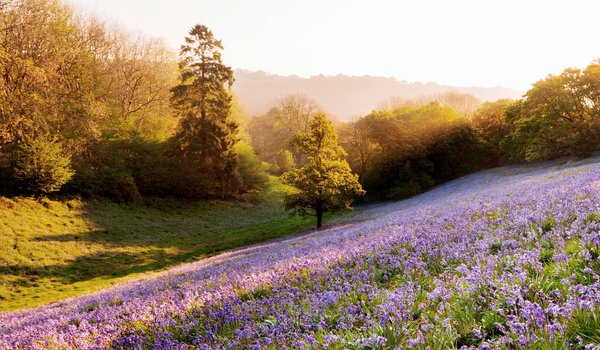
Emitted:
<point x="42" y="166"/>
<point x="326" y="182"/>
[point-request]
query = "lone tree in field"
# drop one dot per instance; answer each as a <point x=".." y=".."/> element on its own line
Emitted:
<point x="326" y="182"/>
<point x="207" y="135"/>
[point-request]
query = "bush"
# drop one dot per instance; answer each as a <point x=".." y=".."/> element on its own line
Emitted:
<point x="42" y="166"/>
<point x="250" y="168"/>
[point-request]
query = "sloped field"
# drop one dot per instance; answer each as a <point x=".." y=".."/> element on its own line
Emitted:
<point x="507" y="258"/>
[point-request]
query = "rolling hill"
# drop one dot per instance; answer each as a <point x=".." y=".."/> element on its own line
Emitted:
<point x="341" y="95"/>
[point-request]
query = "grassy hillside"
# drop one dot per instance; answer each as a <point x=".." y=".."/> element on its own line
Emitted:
<point x="50" y="250"/>
<point x="504" y="259"/>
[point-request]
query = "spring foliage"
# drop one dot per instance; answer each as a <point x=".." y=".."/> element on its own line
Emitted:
<point x="42" y="166"/>
<point x="558" y="116"/>
<point x="132" y="129"/>
<point x="113" y="100"/>
<point x="325" y="183"/>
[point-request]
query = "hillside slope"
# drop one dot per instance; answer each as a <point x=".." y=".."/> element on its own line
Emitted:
<point x="51" y="250"/>
<point x="507" y="258"/>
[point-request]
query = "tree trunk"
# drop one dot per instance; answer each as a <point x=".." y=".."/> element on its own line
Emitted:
<point x="319" y="217"/>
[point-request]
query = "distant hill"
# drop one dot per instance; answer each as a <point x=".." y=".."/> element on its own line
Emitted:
<point x="341" y="95"/>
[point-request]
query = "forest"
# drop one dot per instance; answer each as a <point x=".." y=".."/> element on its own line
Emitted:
<point x="89" y="109"/>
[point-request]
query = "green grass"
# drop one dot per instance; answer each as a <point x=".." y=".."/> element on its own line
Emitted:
<point x="51" y="250"/>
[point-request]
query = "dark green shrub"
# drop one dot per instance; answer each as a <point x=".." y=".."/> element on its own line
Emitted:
<point x="124" y="171"/>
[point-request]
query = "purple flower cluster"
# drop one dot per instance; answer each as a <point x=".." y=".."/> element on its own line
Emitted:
<point x="502" y="261"/>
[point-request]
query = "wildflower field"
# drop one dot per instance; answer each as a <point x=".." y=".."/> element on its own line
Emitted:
<point x="494" y="261"/>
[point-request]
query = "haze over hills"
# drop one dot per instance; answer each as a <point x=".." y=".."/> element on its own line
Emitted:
<point x="344" y="96"/>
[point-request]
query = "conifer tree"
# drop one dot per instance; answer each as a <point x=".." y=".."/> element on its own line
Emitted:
<point x="207" y="135"/>
<point x="326" y="182"/>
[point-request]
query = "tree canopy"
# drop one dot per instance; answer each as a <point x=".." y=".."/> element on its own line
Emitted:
<point x="558" y="116"/>
<point x="207" y="134"/>
<point x="272" y="132"/>
<point x="88" y="108"/>
<point x="325" y="182"/>
<point x="404" y="151"/>
<point x="113" y="105"/>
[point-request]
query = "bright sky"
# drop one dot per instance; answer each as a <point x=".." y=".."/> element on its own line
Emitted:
<point x="511" y="43"/>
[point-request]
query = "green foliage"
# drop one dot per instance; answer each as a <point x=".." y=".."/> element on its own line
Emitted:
<point x="585" y="325"/>
<point x="558" y="116"/>
<point x="456" y="152"/>
<point x="548" y="225"/>
<point x="260" y="292"/>
<point x="238" y="114"/>
<point x="272" y="132"/>
<point x="134" y="129"/>
<point x="85" y="83"/>
<point x="42" y="57"/>
<point x="407" y="149"/>
<point x="42" y="165"/>
<point x="250" y="168"/>
<point x="285" y="161"/>
<point x="495" y="248"/>
<point x="403" y="152"/>
<point x="125" y="170"/>
<point x="489" y="121"/>
<point x="325" y="183"/>
<point x="207" y="134"/>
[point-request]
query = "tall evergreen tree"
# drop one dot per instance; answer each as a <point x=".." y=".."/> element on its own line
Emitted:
<point x="326" y="182"/>
<point x="207" y="135"/>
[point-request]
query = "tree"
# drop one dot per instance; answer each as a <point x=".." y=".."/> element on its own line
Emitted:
<point x="489" y="121"/>
<point x="325" y="183"/>
<point x="558" y="116"/>
<point x="403" y="152"/>
<point x="272" y="132"/>
<point x="251" y="169"/>
<point x="137" y="75"/>
<point x="41" y="66"/>
<point x="207" y="134"/>
<point x="465" y="104"/>
<point x="295" y="112"/>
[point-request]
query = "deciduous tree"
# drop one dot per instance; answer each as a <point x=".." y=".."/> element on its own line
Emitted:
<point x="272" y="132"/>
<point x="558" y="116"/>
<point x="325" y="183"/>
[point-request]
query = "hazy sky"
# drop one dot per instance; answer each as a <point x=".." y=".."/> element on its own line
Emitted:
<point x="512" y="43"/>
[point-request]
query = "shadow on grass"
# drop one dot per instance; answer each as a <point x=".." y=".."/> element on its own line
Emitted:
<point x="120" y="240"/>
<point x="113" y="264"/>
<point x="137" y="239"/>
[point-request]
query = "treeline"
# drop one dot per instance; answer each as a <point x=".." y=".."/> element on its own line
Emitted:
<point x="402" y="152"/>
<point x="408" y="149"/>
<point x="395" y="153"/>
<point x="411" y="145"/>
<point x="88" y="108"/>
<point x="558" y="116"/>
